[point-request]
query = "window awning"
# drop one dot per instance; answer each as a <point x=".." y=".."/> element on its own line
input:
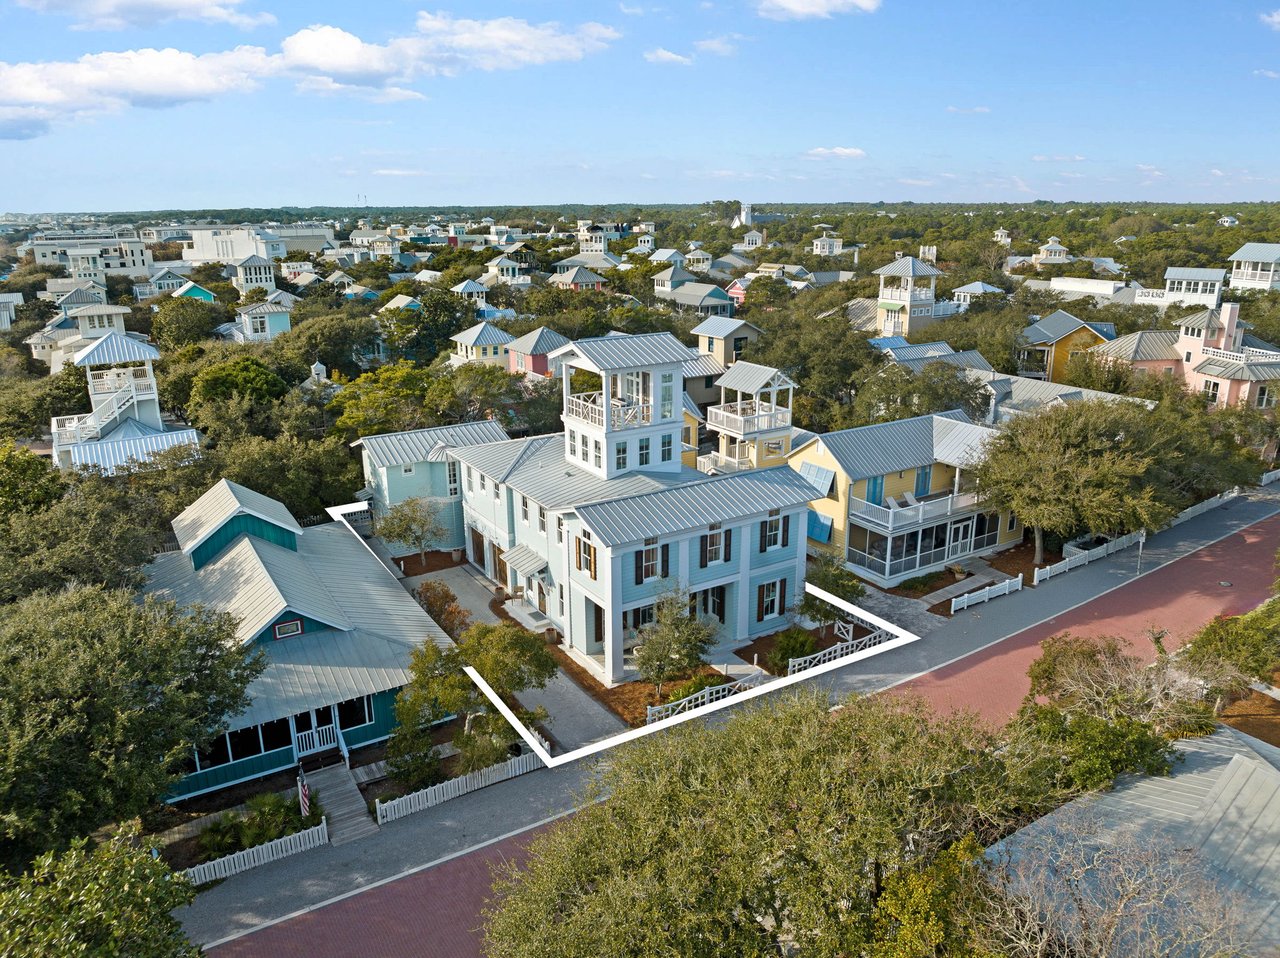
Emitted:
<point x="821" y="479"/>
<point x="524" y="561"/>
<point x="819" y="527"/>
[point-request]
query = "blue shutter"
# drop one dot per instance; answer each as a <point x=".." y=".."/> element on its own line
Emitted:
<point x="924" y="479"/>
<point x="875" y="490"/>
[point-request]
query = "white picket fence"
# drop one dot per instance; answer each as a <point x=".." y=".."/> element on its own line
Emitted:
<point x="1085" y="556"/>
<point x="982" y="595"/>
<point x="838" y="651"/>
<point x="1202" y="507"/>
<point x="714" y="693"/>
<point x="270" y="851"/>
<point x="389" y="811"/>
<point x="1269" y="477"/>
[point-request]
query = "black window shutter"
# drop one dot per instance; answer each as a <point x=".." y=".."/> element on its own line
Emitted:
<point x="728" y="545"/>
<point x="782" y="596"/>
<point x="640" y="567"/>
<point x="702" y="553"/>
<point x="764" y="537"/>
<point x="666" y="560"/>
<point x="786" y="530"/>
<point x="759" y="603"/>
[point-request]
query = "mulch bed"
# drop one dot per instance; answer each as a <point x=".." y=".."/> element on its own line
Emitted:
<point x="1018" y="559"/>
<point x="758" y="651"/>
<point x="931" y="582"/>
<point x="411" y="565"/>
<point x="1256" y="714"/>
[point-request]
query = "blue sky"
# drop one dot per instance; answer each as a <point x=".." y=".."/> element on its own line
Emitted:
<point x="131" y="104"/>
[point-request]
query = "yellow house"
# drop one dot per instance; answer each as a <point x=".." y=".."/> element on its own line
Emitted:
<point x="1051" y="342"/>
<point x="725" y="338"/>
<point x="895" y="500"/>
<point x="752" y="421"/>
<point x="693" y="419"/>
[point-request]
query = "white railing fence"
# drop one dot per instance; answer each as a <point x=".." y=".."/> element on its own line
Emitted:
<point x="420" y="801"/>
<point x="984" y="595"/>
<point x="270" y="851"/>
<point x="1202" y="507"/>
<point x="840" y="649"/>
<point x="714" y="693"/>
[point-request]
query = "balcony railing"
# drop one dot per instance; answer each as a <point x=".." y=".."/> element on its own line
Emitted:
<point x="590" y="408"/>
<point x="898" y="294"/>
<point x="722" y="464"/>
<point x="106" y="381"/>
<point x="1248" y="354"/>
<point x="868" y="513"/>
<point x="748" y="417"/>
<point x="1254" y="275"/>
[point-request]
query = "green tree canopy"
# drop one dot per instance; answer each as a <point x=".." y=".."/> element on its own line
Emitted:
<point x="183" y="320"/>
<point x="390" y="398"/>
<point x="103" y="696"/>
<point x="27" y="482"/>
<point x="247" y="376"/>
<point x="416" y="522"/>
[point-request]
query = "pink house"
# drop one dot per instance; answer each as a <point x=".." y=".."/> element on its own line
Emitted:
<point x="1211" y="352"/>
<point x="528" y="354"/>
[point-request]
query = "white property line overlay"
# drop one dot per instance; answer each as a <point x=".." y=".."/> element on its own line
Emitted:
<point x="902" y="637"/>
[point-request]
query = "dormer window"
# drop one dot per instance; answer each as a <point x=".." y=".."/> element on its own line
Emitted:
<point x="284" y="630"/>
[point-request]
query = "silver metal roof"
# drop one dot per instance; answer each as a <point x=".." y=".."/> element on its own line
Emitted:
<point x="702" y="364"/>
<point x="1052" y="328"/>
<point x="482" y="334"/>
<point x="1259" y="371"/>
<point x="1257" y="253"/>
<point x="751" y="378"/>
<point x="113" y="348"/>
<point x="714" y="499"/>
<point x="721" y="327"/>
<point x="115" y="450"/>
<point x="576" y="274"/>
<point x="1208" y="319"/>
<point x="888" y="447"/>
<point x="1189" y="272"/>
<point x="607" y="353"/>
<point x="909" y="266"/>
<point x="422" y="445"/>
<point x="333" y="574"/>
<point x="222" y="501"/>
<point x="524" y="560"/>
<point x="1149" y="345"/>
<point x="1018" y="394"/>
<point x="968" y="359"/>
<point x="697" y="294"/>
<point x="539" y="342"/>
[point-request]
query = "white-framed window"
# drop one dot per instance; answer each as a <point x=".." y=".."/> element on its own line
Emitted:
<point x="471" y="485"/>
<point x="666" y="447"/>
<point x="1012" y="523"/>
<point x="573" y="443"/>
<point x="560" y="529"/>
<point x="542" y="519"/>
<point x="524" y="509"/>
<point x="1211" y="390"/>
<point x="1265" y="397"/>
<point x="595" y="443"/>
<point x="633" y="620"/>
<point x="642" y="451"/>
<point x="285" y="629"/>
<point x="497" y="491"/>
<point x="771" y="531"/>
<point x="668" y="395"/>
<point x="620" y="455"/>
<point x="452" y="470"/>
<point x="773" y="447"/>
<point x="520" y="361"/>
<point x="482" y="481"/>
<point x="649" y="560"/>
<point x="715" y="543"/>
<point x="769" y="601"/>
<point x="560" y="589"/>
<point x="257" y="325"/>
<point x="406" y="469"/>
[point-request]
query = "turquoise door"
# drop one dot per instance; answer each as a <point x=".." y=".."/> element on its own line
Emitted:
<point x="875" y="490"/>
<point x="924" y="478"/>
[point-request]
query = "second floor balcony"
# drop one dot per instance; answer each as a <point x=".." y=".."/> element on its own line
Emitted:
<point x="609" y="414"/>
<point x="900" y="294"/>
<point x="104" y="382"/>
<point x="715" y="462"/>
<point x="913" y="512"/>
<point x="748" y="417"/>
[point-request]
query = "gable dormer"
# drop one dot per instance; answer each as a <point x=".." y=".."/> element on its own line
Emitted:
<point x="227" y="511"/>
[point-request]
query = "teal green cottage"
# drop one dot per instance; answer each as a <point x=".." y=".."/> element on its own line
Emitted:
<point x="336" y="628"/>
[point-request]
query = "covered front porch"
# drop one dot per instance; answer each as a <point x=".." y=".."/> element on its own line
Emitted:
<point x="888" y="559"/>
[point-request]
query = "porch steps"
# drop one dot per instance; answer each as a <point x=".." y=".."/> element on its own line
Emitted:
<point x="344" y="806"/>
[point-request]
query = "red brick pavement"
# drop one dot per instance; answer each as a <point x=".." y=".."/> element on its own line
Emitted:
<point x="434" y="913"/>
<point x="1179" y="597"/>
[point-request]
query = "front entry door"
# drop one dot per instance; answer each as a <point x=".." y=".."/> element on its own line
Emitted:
<point x="477" y="548"/>
<point x="961" y="538"/>
<point x="314" y="731"/>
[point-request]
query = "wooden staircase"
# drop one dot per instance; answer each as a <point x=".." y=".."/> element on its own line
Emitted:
<point x="349" y="817"/>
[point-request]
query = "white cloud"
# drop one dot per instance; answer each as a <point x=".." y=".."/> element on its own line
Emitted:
<point x="663" y="55"/>
<point x="631" y="11"/>
<point x="1216" y="173"/>
<point x="121" y="14"/>
<point x="1058" y="158"/>
<point x="399" y="172"/>
<point x="968" y="109"/>
<point x="1271" y="19"/>
<point x="1072" y="176"/>
<point x="812" y="9"/>
<point x="1269" y="74"/>
<point x="842" y="152"/>
<point x="908" y="181"/>
<point x="324" y="60"/>
<point x="1150" y="170"/>
<point x="720" y="46"/>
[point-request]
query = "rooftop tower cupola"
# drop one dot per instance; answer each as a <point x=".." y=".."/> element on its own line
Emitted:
<point x="623" y="409"/>
<point x="907" y="289"/>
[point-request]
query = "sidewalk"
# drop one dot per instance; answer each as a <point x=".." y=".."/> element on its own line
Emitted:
<point x="304" y="881"/>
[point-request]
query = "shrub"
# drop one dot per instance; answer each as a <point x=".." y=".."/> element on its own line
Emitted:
<point x="270" y="815"/>
<point x="442" y="605"/>
<point x="695" y="685"/>
<point x="793" y="643"/>
<point x="921" y="583"/>
<point x="1248" y="643"/>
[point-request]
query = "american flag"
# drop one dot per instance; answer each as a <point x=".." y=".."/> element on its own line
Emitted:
<point x="304" y="793"/>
